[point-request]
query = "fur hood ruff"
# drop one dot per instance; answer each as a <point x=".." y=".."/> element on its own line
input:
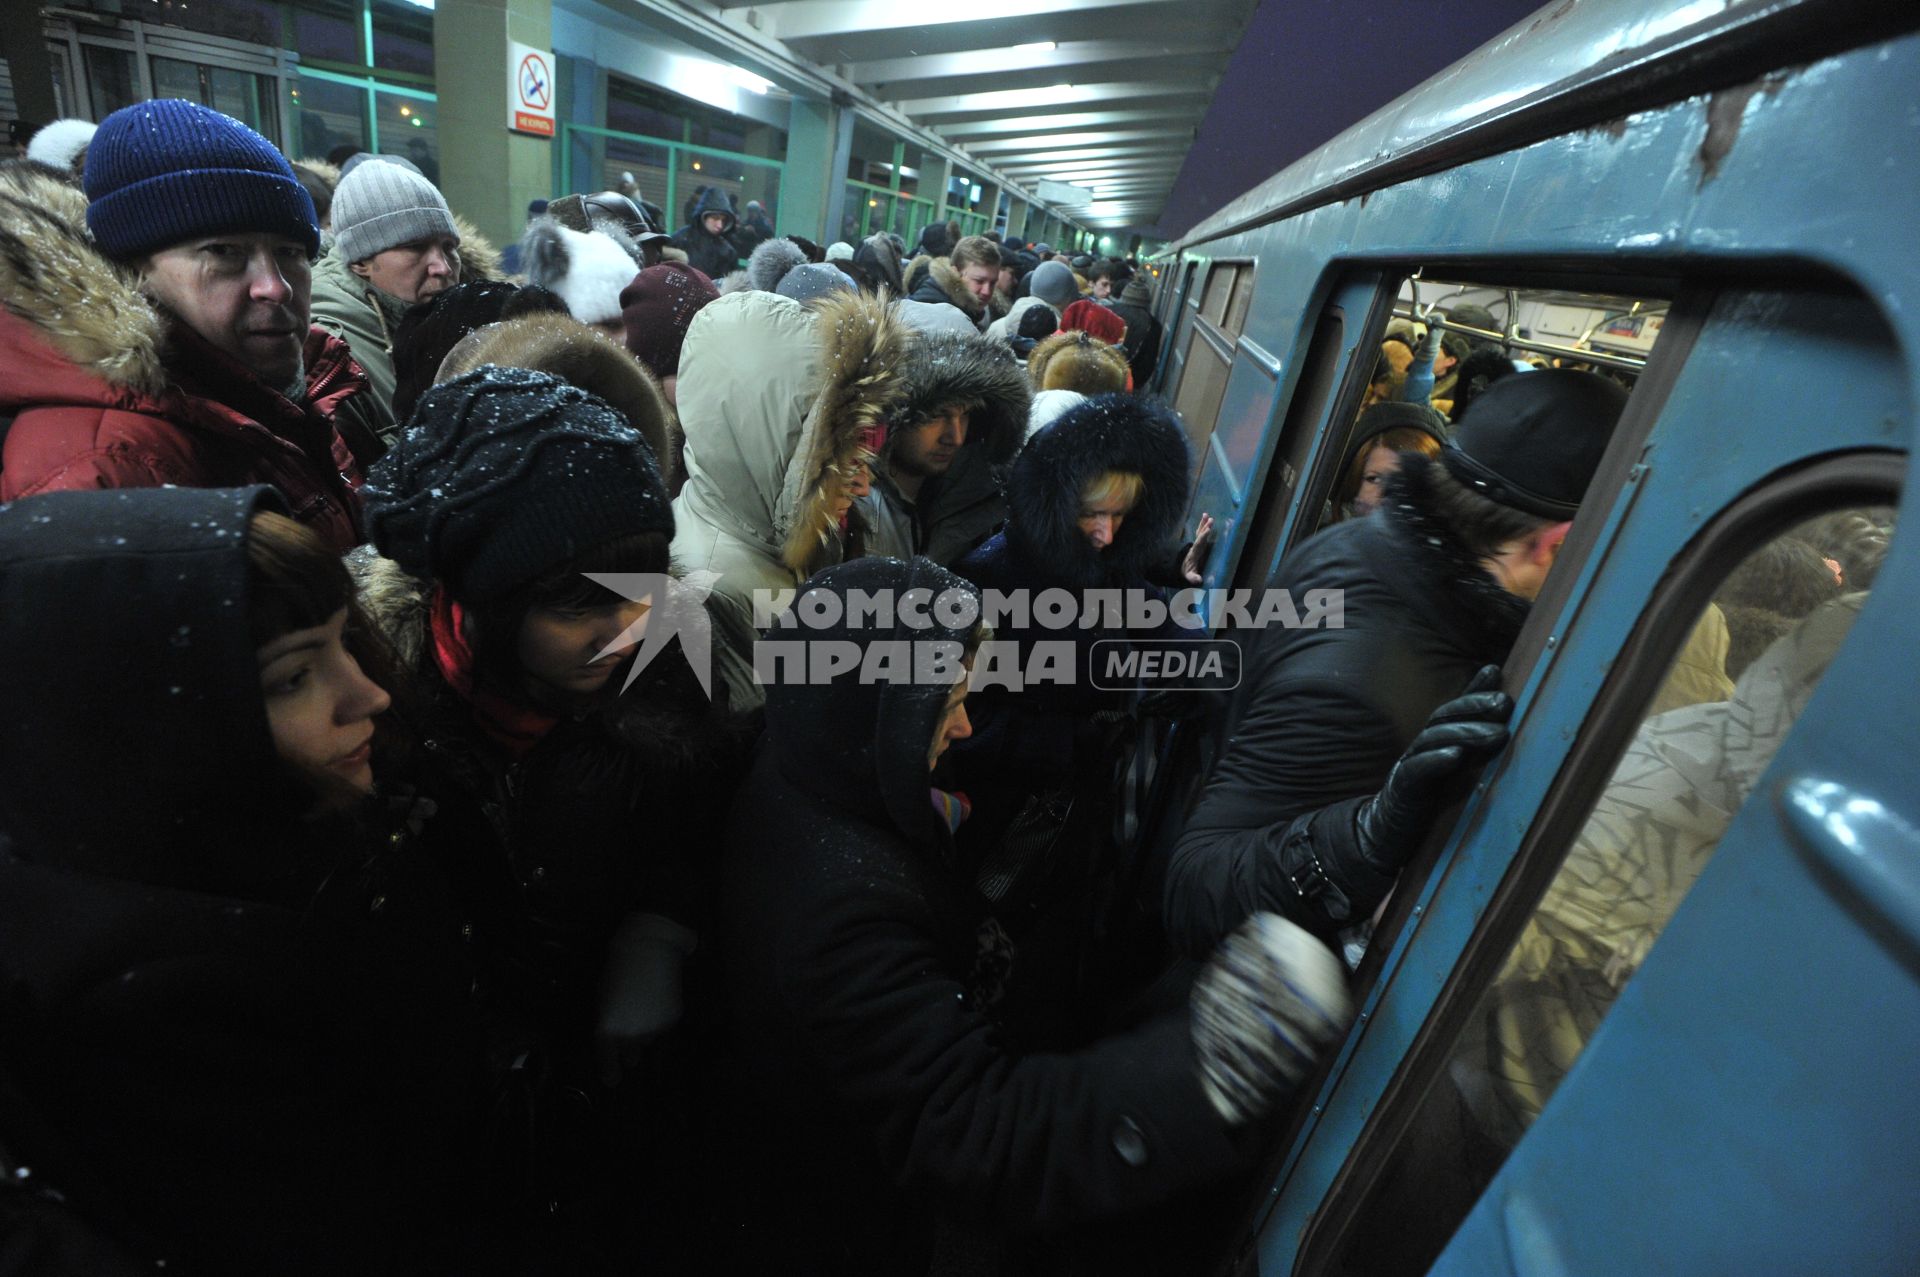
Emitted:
<point x="91" y="311"/>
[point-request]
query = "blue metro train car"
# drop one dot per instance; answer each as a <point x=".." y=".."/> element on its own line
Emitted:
<point x="1717" y="202"/>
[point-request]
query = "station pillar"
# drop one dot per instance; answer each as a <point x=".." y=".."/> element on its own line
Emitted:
<point x="806" y="186"/>
<point x="487" y="172"/>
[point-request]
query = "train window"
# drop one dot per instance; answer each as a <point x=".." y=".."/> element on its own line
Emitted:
<point x="1236" y="319"/>
<point x="1203" y="383"/>
<point x="1756" y="650"/>
<point x="1487" y="333"/>
<point x="1213" y="305"/>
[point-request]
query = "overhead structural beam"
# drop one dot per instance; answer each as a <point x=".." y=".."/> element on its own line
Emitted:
<point x="1038" y="147"/>
<point x="1063" y="123"/>
<point x="1058" y="159"/>
<point x="1151" y="164"/>
<point x="1062" y="57"/>
<point x="811" y="19"/>
<point x="1056" y="96"/>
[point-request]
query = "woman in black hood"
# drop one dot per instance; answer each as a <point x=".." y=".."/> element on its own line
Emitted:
<point x="1095" y="502"/>
<point x="238" y="1031"/>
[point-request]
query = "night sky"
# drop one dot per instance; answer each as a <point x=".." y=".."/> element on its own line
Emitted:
<point x="1307" y="69"/>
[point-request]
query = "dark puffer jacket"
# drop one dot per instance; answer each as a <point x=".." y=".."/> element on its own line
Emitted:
<point x="1324" y="713"/>
<point x="712" y="255"/>
<point x="878" y="1085"/>
<point x="239" y="1040"/>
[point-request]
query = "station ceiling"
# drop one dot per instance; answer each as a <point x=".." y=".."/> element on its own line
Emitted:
<point x="1102" y="94"/>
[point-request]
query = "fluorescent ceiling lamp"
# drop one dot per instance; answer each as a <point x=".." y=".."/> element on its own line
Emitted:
<point x="1038" y="46"/>
<point x="421" y="4"/>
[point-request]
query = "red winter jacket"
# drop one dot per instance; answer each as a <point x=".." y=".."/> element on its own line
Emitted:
<point x="102" y="392"/>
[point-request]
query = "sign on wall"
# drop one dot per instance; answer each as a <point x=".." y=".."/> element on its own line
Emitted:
<point x="529" y="89"/>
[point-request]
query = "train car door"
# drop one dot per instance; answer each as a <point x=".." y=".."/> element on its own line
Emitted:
<point x="1736" y="1095"/>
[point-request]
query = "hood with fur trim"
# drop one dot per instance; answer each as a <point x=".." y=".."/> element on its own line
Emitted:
<point x="944" y="368"/>
<point x="581" y="357"/>
<point x="1108" y="433"/>
<point x="766" y="453"/>
<point x="940" y="282"/>
<point x="479" y="259"/>
<point x="88" y="310"/>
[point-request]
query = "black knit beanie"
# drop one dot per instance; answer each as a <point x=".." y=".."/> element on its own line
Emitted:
<point x="505" y="475"/>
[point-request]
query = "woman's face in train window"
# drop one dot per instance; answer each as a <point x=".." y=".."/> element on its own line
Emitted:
<point x="1381" y="462"/>
<point x="320" y="706"/>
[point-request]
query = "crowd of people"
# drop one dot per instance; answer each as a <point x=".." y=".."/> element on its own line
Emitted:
<point x="408" y="866"/>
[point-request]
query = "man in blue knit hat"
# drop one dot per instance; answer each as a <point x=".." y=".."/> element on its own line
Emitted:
<point x="156" y="331"/>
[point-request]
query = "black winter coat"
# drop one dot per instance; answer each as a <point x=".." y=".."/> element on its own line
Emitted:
<point x="238" y="1039"/>
<point x="713" y="255"/>
<point x="866" y="977"/>
<point x="1142" y="342"/>
<point x="1324" y="713"/>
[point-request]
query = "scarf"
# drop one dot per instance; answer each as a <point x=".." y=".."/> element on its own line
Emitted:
<point x="513" y="726"/>
<point x="953" y="808"/>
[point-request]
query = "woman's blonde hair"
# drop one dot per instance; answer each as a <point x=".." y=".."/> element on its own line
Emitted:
<point x="1114" y="485"/>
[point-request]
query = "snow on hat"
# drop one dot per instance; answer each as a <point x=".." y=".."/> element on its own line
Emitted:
<point x="659" y="306"/>
<point x="164" y="171"/>
<point x="815" y="279"/>
<point x="1532" y="443"/>
<point x="380" y="205"/>
<point x="1052" y="283"/>
<point x="505" y="475"/>
<point x="587" y="269"/>
<point x="59" y="144"/>
<point x="770" y="262"/>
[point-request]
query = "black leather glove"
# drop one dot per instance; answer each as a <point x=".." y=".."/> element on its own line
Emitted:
<point x="1458" y="737"/>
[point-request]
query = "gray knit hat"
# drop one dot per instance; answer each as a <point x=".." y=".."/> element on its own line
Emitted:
<point x="380" y="205"/>
<point x="1052" y="282"/>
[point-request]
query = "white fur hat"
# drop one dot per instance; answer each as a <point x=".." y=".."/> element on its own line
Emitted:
<point x="587" y="270"/>
<point x="61" y="142"/>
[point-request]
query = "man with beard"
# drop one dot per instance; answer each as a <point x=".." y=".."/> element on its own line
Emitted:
<point x="394" y="244"/>
<point x="155" y="329"/>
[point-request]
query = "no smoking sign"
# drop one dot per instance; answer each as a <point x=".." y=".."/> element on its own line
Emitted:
<point x="529" y="89"/>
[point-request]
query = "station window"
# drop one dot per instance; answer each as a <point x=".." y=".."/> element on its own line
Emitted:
<point x="1762" y="636"/>
<point x="402" y="37"/>
<point x="332" y="114"/>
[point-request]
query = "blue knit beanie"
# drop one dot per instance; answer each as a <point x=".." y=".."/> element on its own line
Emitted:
<point x="165" y="171"/>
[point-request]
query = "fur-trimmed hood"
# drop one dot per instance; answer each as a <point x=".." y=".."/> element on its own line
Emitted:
<point x="941" y="282"/>
<point x="581" y="357"/>
<point x="945" y="368"/>
<point x="766" y="453"/>
<point x="479" y="259"/>
<point x="1108" y="433"/>
<point x="89" y="311"/>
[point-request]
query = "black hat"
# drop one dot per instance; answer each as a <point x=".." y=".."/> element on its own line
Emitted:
<point x="1394" y="414"/>
<point x="505" y="475"/>
<point x="1533" y="440"/>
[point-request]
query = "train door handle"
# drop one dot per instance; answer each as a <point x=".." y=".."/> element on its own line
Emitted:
<point x="1867" y="853"/>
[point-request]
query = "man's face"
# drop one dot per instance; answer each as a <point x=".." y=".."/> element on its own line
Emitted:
<point x="248" y="294"/>
<point x="979" y="278"/>
<point x="716" y="223"/>
<point x="1103" y="287"/>
<point x="413" y="272"/>
<point x="928" y="449"/>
